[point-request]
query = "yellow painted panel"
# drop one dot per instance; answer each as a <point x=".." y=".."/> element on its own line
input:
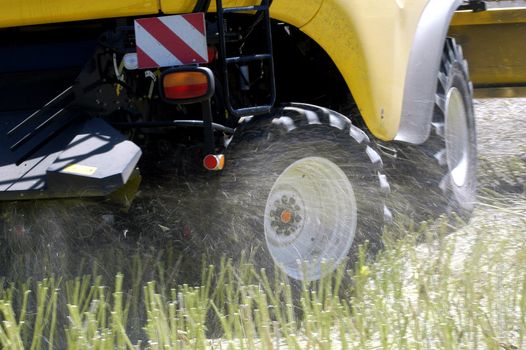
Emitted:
<point x="491" y="16"/>
<point x="494" y="44"/>
<point x="295" y="12"/>
<point x="29" y="12"/>
<point x="495" y="50"/>
<point x="370" y="43"/>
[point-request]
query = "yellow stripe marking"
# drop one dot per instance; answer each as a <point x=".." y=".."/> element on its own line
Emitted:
<point x="80" y="169"/>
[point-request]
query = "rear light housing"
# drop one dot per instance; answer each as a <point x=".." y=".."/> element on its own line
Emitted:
<point x="214" y="162"/>
<point x="184" y="85"/>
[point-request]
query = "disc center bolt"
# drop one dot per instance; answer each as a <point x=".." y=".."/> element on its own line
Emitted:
<point x="285" y="217"/>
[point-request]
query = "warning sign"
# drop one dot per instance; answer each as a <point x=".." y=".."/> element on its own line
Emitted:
<point x="171" y="40"/>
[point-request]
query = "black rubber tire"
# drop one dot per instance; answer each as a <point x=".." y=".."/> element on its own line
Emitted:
<point x="263" y="147"/>
<point x="427" y="163"/>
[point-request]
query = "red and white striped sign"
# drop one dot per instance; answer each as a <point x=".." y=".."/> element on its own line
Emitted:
<point x="171" y="40"/>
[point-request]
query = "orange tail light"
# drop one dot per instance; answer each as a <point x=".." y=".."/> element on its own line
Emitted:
<point x="187" y="86"/>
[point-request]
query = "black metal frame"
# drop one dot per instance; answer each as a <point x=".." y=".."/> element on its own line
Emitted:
<point x="225" y="61"/>
<point x="202" y="6"/>
<point x="206" y="104"/>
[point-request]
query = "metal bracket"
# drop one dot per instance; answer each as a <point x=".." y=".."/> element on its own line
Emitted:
<point x="474" y="5"/>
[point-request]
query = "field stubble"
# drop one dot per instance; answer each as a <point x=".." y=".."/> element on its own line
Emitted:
<point x="430" y="289"/>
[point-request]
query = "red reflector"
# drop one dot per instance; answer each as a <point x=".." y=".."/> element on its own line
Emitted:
<point x="185" y="92"/>
<point x="214" y="162"/>
<point x="212" y="54"/>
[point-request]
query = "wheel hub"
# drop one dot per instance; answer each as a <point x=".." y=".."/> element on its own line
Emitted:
<point x="457" y="138"/>
<point x="286" y="216"/>
<point x="310" y="217"/>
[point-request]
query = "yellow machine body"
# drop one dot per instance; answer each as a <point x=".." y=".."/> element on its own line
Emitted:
<point x="376" y="45"/>
<point x="14" y="13"/>
<point x="369" y="41"/>
<point x="494" y="41"/>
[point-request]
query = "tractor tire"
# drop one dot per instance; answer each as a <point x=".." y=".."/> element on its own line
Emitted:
<point x="303" y="187"/>
<point x="455" y="133"/>
<point x="446" y="164"/>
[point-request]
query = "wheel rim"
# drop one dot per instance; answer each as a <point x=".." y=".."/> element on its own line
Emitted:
<point x="457" y="138"/>
<point x="310" y="217"/>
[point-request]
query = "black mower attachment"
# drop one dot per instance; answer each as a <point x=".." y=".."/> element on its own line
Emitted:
<point x="78" y="145"/>
<point x="46" y="158"/>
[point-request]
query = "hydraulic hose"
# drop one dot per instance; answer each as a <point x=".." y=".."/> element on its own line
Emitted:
<point x="202" y="6"/>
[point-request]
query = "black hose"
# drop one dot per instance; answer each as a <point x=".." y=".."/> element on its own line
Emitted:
<point x="202" y="6"/>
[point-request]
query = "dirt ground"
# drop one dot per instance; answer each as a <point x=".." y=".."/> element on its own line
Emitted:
<point x="501" y="127"/>
<point x="501" y="207"/>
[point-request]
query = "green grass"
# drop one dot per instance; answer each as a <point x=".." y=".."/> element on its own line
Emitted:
<point x="428" y="290"/>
